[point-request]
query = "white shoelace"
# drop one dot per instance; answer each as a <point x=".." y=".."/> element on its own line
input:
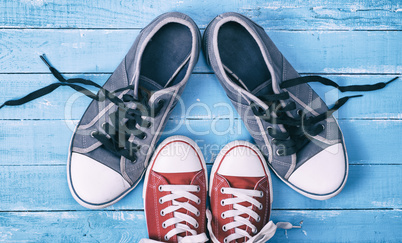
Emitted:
<point x="244" y="195"/>
<point x="180" y="219"/>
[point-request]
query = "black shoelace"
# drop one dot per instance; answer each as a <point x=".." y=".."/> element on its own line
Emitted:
<point x="300" y="130"/>
<point x="116" y="135"/>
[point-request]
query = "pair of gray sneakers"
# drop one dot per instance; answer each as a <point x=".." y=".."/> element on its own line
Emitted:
<point x="289" y="122"/>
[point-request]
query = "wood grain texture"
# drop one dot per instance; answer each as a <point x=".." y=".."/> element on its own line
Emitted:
<point x="350" y="42"/>
<point x="130" y="226"/>
<point x="102" y="50"/>
<point x="203" y="98"/>
<point x="44" y="188"/>
<point x="286" y="14"/>
<point x="45" y="142"/>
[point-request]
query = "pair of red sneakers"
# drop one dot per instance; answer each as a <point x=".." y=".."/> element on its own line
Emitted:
<point x="240" y="192"/>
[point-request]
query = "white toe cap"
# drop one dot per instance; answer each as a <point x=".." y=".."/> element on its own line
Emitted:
<point x="93" y="182"/>
<point x="177" y="156"/>
<point x="241" y="158"/>
<point x="324" y="173"/>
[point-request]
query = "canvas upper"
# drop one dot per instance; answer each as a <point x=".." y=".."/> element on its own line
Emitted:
<point x="251" y="70"/>
<point x="116" y="136"/>
<point x="175" y="192"/>
<point x="240" y="195"/>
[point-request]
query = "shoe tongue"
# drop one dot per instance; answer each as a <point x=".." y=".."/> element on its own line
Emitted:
<point x="179" y="178"/>
<point x="263" y="89"/>
<point x="242" y="182"/>
<point x="149" y="84"/>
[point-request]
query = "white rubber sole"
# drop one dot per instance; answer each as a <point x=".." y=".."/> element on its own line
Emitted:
<point x="226" y="148"/>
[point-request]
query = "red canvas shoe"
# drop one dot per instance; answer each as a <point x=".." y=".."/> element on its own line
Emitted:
<point x="240" y="196"/>
<point x="175" y="192"/>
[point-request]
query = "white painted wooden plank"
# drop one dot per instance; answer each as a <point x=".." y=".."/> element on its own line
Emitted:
<point x="285" y="14"/>
<point x="203" y="98"/>
<point x="130" y="226"/>
<point x="102" y="50"/>
<point x="28" y="188"/>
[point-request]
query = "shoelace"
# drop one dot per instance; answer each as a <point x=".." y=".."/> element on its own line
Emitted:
<point x="179" y="219"/>
<point x="114" y="137"/>
<point x="298" y="131"/>
<point x="245" y="195"/>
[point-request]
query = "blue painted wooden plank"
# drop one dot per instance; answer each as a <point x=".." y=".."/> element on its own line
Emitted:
<point x="285" y="14"/>
<point x="102" y="50"/>
<point x="46" y="142"/>
<point x="203" y="98"/>
<point x="33" y="188"/>
<point x="340" y="226"/>
<point x="32" y="172"/>
<point x="90" y="226"/>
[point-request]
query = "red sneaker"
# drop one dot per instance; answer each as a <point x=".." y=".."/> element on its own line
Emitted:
<point x="240" y="195"/>
<point x="175" y="192"/>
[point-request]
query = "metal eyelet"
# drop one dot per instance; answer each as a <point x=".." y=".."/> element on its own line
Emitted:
<point x="323" y="127"/>
<point x="223" y="216"/>
<point x="166" y="238"/>
<point x="260" y="206"/>
<point x="149" y="125"/>
<point x="222" y="190"/>
<point x="198" y="213"/>
<point x="254" y="230"/>
<point x="299" y="112"/>
<point x="224" y="228"/>
<point x="160" y="188"/>
<point x="198" y="189"/>
<point x="144" y="137"/>
<point x="258" y="219"/>
<point x="198" y="201"/>
<point x="279" y="153"/>
<point x="164" y="225"/>
<point x="196" y="225"/>
<point x="225" y="240"/>
<point x="162" y="213"/>
<point x="222" y="203"/>
<point x="160" y="201"/>
<point x="92" y="134"/>
<point x="261" y="193"/>
<point x="103" y="125"/>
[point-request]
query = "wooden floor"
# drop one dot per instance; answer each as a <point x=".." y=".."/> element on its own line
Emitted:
<point x="350" y="42"/>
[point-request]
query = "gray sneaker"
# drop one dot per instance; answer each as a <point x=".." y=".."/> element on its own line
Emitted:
<point x="115" y="138"/>
<point x="289" y="122"/>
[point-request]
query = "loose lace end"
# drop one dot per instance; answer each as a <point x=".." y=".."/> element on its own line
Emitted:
<point x="355" y="96"/>
<point x="392" y="80"/>
<point x="43" y="58"/>
<point x="287" y="225"/>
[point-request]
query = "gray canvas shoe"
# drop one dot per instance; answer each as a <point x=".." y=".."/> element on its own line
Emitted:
<point x="289" y="122"/>
<point x="116" y="136"/>
<point x="114" y="140"/>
